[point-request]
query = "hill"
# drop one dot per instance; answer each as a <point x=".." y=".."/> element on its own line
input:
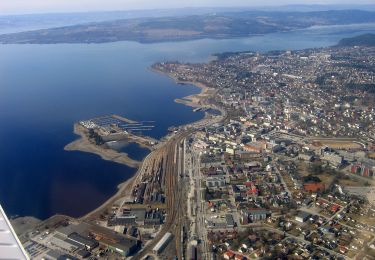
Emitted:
<point x="361" y="40"/>
<point x="177" y="28"/>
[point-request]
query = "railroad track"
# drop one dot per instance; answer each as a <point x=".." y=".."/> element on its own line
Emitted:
<point x="174" y="197"/>
<point x="173" y="190"/>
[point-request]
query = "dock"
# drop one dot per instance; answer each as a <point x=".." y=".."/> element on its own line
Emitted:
<point x="115" y="128"/>
<point x="115" y="124"/>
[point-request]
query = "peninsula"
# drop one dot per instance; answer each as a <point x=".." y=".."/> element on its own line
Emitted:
<point x="361" y="40"/>
<point x="98" y="135"/>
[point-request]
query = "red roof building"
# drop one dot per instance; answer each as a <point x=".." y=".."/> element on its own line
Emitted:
<point x="335" y="208"/>
<point x="229" y="255"/>
<point x="314" y="186"/>
<point x="253" y="148"/>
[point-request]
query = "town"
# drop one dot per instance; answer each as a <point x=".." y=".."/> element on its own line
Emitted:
<point x="290" y="171"/>
<point x="283" y="169"/>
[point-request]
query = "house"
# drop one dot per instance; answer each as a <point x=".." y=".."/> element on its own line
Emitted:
<point x="251" y="188"/>
<point x="229" y="255"/>
<point x="335" y="208"/>
<point x="239" y="257"/>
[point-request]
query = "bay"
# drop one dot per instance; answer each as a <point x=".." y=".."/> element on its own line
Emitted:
<point x="45" y="89"/>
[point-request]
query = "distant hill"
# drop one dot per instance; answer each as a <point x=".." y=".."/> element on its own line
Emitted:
<point x="361" y="40"/>
<point x="177" y="28"/>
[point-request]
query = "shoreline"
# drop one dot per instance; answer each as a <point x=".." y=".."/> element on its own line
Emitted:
<point x="193" y="100"/>
<point x="125" y="188"/>
<point x="83" y="144"/>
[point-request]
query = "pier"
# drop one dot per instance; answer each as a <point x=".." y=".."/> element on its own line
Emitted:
<point x="115" y="128"/>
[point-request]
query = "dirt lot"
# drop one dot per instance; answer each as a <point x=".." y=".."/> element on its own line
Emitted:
<point x="342" y="145"/>
<point x="350" y="182"/>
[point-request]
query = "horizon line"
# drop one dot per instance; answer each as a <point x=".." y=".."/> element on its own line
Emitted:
<point x="255" y="7"/>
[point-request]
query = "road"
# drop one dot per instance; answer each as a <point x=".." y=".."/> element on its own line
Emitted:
<point x="300" y="239"/>
<point x="201" y="231"/>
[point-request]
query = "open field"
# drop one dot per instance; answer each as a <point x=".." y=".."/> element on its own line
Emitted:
<point x="326" y="177"/>
<point x="338" y="144"/>
<point x="24" y="224"/>
<point x="350" y="182"/>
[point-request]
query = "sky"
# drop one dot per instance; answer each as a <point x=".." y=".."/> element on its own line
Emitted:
<point x="44" y="6"/>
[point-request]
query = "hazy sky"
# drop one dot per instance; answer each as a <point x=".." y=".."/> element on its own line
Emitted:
<point x="37" y="6"/>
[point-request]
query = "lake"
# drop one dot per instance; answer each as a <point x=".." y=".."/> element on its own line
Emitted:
<point x="45" y="89"/>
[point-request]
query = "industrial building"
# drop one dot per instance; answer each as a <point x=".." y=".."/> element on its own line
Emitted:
<point x="89" y="236"/>
<point x="162" y="243"/>
<point x="58" y="255"/>
<point x="140" y="217"/>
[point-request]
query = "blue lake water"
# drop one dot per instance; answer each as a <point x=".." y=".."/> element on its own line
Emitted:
<point x="44" y="89"/>
<point x="134" y="150"/>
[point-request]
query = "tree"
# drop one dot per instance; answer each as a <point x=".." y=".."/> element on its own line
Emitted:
<point x="316" y="168"/>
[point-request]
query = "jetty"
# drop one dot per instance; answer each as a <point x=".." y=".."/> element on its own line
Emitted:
<point x="115" y="128"/>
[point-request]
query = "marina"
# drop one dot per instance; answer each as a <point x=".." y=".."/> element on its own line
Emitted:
<point x="115" y="124"/>
<point x="111" y="129"/>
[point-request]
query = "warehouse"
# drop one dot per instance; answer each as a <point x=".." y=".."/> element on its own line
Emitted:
<point x="81" y="236"/>
<point x="85" y="242"/>
<point x="162" y="243"/>
<point x="116" y="242"/>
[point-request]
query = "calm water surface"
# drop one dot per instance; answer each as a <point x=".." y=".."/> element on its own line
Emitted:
<point x="44" y="89"/>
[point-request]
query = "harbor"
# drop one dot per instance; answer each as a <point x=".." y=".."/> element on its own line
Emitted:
<point x="101" y="134"/>
<point x="115" y="127"/>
